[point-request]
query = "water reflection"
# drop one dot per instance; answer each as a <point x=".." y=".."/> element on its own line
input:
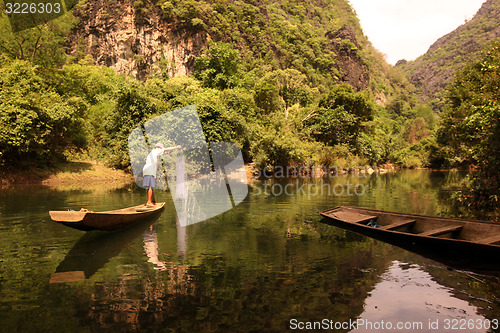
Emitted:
<point x="94" y="250"/>
<point x="408" y="295"/>
<point x="151" y="249"/>
<point x="212" y="292"/>
<point x="181" y="239"/>
<point x="253" y="268"/>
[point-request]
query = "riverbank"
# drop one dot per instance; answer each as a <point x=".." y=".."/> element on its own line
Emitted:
<point x="77" y="174"/>
<point x="92" y="174"/>
<point x="309" y="171"/>
<point x="87" y="173"/>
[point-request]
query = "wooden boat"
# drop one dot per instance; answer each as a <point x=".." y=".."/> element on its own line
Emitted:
<point x="108" y="221"/>
<point x="94" y="250"/>
<point x="467" y="242"/>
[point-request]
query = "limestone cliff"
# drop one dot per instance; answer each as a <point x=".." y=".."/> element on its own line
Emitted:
<point x="130" y="40"/>
<point x="131" y="36"/>
<point x="349" y="63"/>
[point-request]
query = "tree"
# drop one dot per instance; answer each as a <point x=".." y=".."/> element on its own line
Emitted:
<point x="282" y="87"/>
<point x="470" y="126"/>
<point x="36" y="124"/>
<point x="341" y="115"/>
<point x="359" y="104"/>
<point x="219" y="66"/>
<point x="267" y="97"/>
<point x="131" y="110"/>
<point x="42" y="45"/>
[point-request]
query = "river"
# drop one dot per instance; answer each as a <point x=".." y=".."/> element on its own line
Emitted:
<point x="267" y="265"/>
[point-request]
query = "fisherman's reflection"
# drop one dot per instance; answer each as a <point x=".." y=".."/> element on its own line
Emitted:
<point x="152" y="250"/>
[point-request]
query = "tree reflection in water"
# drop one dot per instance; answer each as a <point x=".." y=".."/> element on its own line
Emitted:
<point x="132" y="304"/>
<point x="200" y="290"/>
<point x="253" y="268"/>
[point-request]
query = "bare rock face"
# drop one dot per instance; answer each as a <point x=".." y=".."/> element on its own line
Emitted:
<point x="349" y="64"/>
<point x="131" y="40"/>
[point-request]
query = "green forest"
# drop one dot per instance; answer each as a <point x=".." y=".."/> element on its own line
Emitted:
<point x="273" y="79"/>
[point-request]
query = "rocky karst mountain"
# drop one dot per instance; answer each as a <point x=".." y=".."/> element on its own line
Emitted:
<point x="320" y="38"/>
<point x="431" y="72"/>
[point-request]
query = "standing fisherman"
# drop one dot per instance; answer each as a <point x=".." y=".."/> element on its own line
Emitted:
<point x="149" y="171"/>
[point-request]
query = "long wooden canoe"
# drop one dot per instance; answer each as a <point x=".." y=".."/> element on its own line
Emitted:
<point x="466" y="242"/>
<point x="108" y="221"/>
<point x="94" y="250"/>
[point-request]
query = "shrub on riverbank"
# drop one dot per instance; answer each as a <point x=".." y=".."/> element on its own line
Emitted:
<point x="37" y="124"/>
<point x="471" y="127"/>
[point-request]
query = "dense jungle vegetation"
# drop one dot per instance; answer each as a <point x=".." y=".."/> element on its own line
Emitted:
<point x="275" y="85"/>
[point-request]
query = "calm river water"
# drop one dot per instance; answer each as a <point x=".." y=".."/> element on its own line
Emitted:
<point x="268" y="265"/>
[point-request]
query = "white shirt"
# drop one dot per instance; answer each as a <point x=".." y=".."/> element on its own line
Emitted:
<point x="152" y="162"/>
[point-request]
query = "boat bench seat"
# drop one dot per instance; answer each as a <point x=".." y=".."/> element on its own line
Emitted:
<point x="442" y="231"/>
<point x="490" y="240"/>
<point x="396" y="225"/>
<point x="351" y="217"/>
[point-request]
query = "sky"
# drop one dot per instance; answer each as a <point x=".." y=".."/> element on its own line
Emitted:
<point x="404" y="29"/>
